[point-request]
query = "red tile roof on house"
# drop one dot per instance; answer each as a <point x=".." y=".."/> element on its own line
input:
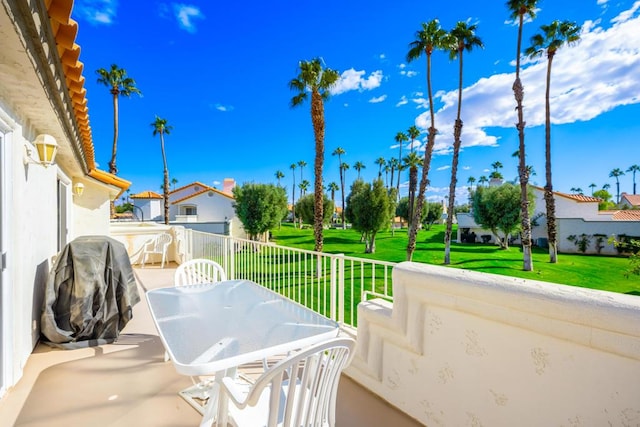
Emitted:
<point x="580" y="198"/>
<point x="627" y="215"/>
<point x="633" y="199"/>
<point x="205" y="189"/>
<point x="193" y="184"/>
<point x="146" y="195"/>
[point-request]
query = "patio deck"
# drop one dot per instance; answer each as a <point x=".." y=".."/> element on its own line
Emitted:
<point x="129" y="384"/>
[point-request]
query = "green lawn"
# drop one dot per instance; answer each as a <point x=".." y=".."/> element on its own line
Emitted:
<point x="589" y="271"/>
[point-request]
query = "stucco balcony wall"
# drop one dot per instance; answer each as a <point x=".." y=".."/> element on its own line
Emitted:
<point x="460" y="347"/>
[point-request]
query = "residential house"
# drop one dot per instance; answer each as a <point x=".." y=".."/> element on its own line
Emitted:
<point x="148" y="206"/>
<point x="43" y="204"/>
<point x="196" y="206"/>
<point x="576" y="215"/>
<point x="629" y="201"/>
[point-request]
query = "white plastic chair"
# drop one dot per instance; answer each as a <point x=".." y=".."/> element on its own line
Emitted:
<point x="305" y="385"/>
<point x="158" y="245"/>
<point x="199" y="271"/>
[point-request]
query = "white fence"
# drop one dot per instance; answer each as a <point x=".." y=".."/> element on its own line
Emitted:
<point x="331" y="284"/>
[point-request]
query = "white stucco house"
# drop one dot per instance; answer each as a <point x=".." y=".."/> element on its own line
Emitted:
<point x="43" y="205"/>
<point x="576" y="214"/>
<point x="196" y="206"/>
<point x="629" y="201"/>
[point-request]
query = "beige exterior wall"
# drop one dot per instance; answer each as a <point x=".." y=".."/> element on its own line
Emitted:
<point x="91" y="209"/>
<point x="460" y="348"/>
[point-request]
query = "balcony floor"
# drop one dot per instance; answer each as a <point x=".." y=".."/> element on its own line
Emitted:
<point x="129" y="384"/>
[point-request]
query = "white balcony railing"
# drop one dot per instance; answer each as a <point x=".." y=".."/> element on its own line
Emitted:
<point x="331" y="284"/>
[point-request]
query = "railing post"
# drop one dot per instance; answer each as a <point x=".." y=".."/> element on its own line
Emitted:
<point x="189" y="244"/>
<point x="337" y="288"/>
<point x="341" y="288"/>
<point x="231" y="251"/>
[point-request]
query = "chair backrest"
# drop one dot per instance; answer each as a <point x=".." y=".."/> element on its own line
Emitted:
<point x="304" y="386"/>
<point x="199" y="271"/>
<point x="161" y="241"/>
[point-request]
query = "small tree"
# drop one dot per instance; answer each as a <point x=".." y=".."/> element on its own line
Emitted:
<point x="433" y="214"/>
<point x="370" y="208"/>
<point x="305" y="209"/>
<point x="260" y="207"/>
<point x="498" y="209"/>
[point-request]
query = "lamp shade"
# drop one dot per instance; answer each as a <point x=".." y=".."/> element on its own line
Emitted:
<point x="47" y="148"/>
<point x="78" y="189"/>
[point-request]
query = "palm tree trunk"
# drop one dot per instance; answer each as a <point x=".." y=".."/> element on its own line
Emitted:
<point x="114" y="149"/>
<point x="548" y="189"/>
<point x="457" y="133"/>
<point x="344" y="225"/>
<point x="293" y="197"/>
<point x="317" y="117"/>
<point x="166" y="181"/>
<point x="424" y="181"/>
<point x="522" y="168"/>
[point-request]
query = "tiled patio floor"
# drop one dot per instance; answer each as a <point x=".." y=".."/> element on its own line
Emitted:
<point x="129" y="384"/>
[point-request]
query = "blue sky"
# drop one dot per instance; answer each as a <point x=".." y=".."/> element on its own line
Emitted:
<point x="219" y="73"/>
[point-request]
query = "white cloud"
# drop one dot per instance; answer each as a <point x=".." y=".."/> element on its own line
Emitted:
<point x="378" y="99"/>
<point x="355" y="80"/>
<point x="443" y="168"/>
<point x="588" y="79"/>
<point x="466" y="168"/>
<point x="186" y="15"/>
<point x="223" y="108"/>
<point x="409" y="73"/>
<point x="602" y="2"/>
<point x="98" y="11"/>
<point x="402" y="66"/>
<point x="402" y="101"/>
<point x="382" y="56"/>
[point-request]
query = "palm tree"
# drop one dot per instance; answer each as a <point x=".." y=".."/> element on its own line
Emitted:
<point x="482" y="180"/>
<point x="518" y="9"/>
<point x="387" y="169"/>
<point x="616" y="173"/>
<point x="553" y="37"/>
<point x="301" y="164"/>
<point x="606" y="186"/>
<point x="315" y="79"/>
<point x="333" y="187"/>
<point x="463" y="38"/>
<point x="592" y="186"/>
<point x="413" y="133"/>
<point x="393" y="164"/>
<point x="400" y="138"/>
<point x="339" y="152"/>
<point x="174" y="181"/>
<point x="304" y="186"/>
<point x="380" y="161"/>
<point x="279" y="175"/>
<point x="633" y="169"/>
<point x="412" y="161"/>
<point x="358" y="166"/>
<point x="119" y="84"/>
<point x="293" y="193"/>
<point x="430" y="38"/>
<point x="160" y="127"/>
<point x="471" y="180"/>
<point x="576" y="190"/>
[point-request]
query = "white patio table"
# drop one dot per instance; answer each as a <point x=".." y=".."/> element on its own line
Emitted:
<point x="211" y="328"/>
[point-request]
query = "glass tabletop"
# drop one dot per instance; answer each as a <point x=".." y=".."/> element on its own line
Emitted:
<point x="209" y="328"/>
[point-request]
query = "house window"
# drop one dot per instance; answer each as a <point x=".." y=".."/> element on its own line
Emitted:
<point x="189" y="210"/>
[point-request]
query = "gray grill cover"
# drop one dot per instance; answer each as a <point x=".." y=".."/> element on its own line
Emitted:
<point x="90" y="293"/>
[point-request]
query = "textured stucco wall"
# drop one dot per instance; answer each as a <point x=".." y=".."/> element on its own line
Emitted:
<point x="465" y="348"/>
